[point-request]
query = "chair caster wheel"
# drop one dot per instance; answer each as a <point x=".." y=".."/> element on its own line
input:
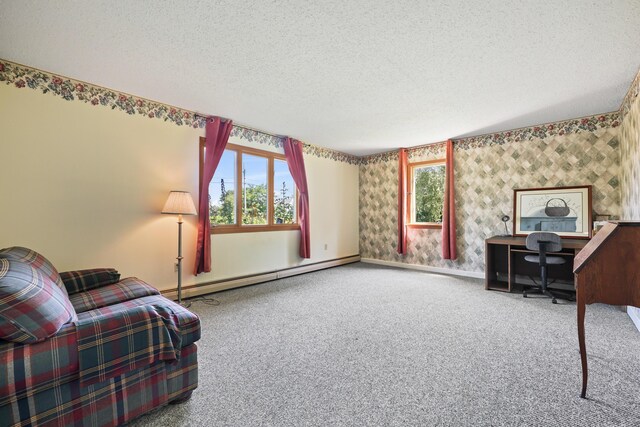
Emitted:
<point x="554" y="301"/>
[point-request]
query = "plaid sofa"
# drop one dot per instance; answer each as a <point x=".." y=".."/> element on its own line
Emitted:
<point x="86" y="348"/>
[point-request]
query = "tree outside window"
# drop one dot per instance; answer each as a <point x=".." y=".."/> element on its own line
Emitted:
<point x="284" y="194"/>
<point x="222" y="194"/>
<point x="427" y="191"/>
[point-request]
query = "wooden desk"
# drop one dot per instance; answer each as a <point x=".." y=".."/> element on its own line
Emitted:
<point x="504" y="262"/>
<point x="607" y="271"/>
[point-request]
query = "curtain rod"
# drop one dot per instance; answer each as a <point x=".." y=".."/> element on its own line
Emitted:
<point x="204" y="116"/>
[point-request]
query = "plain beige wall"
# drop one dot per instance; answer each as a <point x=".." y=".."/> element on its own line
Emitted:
<point x="84" y="186"/>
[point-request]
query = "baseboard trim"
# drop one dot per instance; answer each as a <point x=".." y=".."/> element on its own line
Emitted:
<point x="439" y="270"/>
<point x="253" y="279"/>
<point x="634" y="314"/>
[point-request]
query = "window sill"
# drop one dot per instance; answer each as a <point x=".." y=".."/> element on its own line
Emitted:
<point x="229" y="229"/>
<point x="425" y="226"/>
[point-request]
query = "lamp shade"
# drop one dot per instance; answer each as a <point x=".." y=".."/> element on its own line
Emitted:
<point x="180" y="203"/>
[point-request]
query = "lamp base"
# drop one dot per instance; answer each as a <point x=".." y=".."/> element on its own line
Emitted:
<point x="506" y="230"/>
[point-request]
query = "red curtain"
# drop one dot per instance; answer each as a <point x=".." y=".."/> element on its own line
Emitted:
<point x="295" y="161"/>
<point x="449" y="214"/>
<point x="402" y="201"/>
<point x="217" y="134"/>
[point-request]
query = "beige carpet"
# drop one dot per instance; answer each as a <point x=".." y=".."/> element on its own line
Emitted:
<point x="364" y="345"/>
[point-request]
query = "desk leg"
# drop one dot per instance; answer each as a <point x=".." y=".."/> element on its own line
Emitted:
<point x="581" y="305"/>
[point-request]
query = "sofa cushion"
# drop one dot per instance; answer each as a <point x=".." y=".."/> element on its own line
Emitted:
<point x="84" y="280"/>
<point x="32" y="257"/>
<point x="32" y="306"/>
<point x="29" y="256"/>
<point x="125" y="290"/>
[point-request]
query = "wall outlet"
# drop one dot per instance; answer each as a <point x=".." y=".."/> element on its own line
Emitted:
<point x="325" y="246"/>
<point x="175" y="266"/>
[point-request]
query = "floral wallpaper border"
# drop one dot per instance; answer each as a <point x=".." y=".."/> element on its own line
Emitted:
<point x="418" y="152"/>
<point x="584" y="124"/>
<point x="22" y="76"/>
<point x="267" y="139"/>
<point x="380" y="157"/>
<point x="632" y="94"/>
<point x="69" y="89"/>
<point x="430" y="150"/>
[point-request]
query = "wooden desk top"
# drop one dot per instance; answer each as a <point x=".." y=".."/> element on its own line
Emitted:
<point x="520" y="241"/>
<point x="608" y="231"/>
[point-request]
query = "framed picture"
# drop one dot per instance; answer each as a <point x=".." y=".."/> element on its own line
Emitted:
<point x="565" y="211"/>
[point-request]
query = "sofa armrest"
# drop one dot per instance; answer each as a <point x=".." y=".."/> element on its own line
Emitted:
<point x="84" y="280"/>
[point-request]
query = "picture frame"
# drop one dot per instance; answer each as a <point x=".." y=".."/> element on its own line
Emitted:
<point x="565" y="211"/>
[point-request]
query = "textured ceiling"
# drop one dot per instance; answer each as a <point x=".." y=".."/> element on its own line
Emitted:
<point x="356" y="76"/>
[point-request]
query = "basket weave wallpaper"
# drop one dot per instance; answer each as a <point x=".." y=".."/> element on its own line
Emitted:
<point x="630" y="162"/>
<point x="485" y="177"/>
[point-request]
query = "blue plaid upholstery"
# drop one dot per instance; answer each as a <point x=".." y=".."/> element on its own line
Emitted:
<point x="37" y="261"/>
<point x="29" y="256"/>
<point x="113" y="402"/>
<point x="84" y="280"/>
<point x="188" y="322"/>
<point x="32" y="306"/>
<point x="31" y="368"/>
<point x="110" y="345"/>
<point x="125" y="290"/>
<point x="129" y="351"/>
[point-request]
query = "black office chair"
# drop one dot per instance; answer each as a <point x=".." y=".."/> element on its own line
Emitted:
<point x="544" y="243"/>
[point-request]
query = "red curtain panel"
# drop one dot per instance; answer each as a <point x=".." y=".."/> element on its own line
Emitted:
<point x="295" y="161"/>
<point x="449" y="214"/>
<point x="402" y="201"/>
<point x="217" y="134"/>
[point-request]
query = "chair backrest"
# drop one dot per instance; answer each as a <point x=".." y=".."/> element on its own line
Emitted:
<point x="552" y="240"/>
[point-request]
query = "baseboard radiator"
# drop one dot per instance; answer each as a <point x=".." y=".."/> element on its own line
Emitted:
<point x="237" y="282"/>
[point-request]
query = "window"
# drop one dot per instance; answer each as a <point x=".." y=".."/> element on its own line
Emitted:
<point x="254" y="196"/>
<point x="426" y="190"/>
<point x="251" y="190"/>
<point x="222" y="191"/>
<point x="284" y="194"/>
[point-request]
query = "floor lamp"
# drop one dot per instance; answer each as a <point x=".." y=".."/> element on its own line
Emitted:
<point x="179" y="203"/>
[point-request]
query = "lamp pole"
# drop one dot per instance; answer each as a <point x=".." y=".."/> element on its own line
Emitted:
<point x="179" y="258"/>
